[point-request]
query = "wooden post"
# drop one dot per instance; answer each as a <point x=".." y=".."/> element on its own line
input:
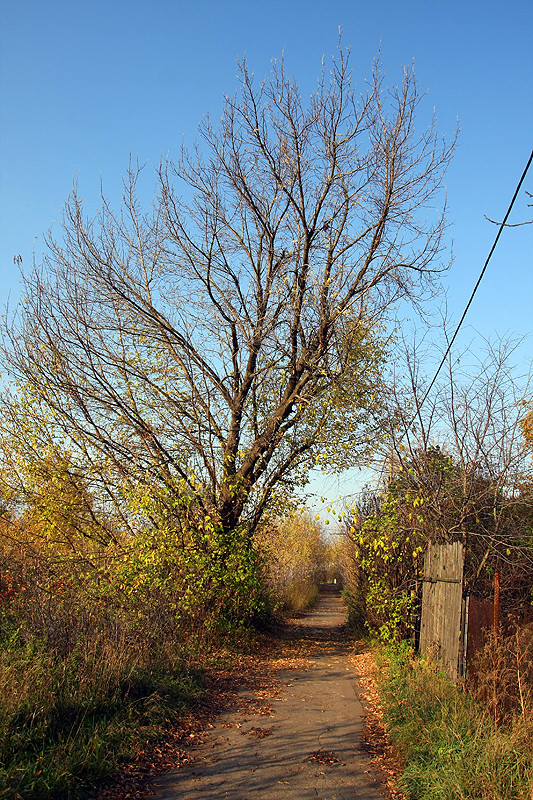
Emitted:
<point x="496" y="602"/>
<point x="442" y="600"/>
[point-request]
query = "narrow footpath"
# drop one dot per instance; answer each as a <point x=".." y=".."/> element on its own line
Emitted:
<point x="298" y="741"/>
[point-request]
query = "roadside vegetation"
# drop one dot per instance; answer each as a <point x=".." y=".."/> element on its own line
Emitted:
<point x="472" y="740"/>
<point x="297" y="556"/>
<point x="104" y="644"/>
<point x="460" y="470"/>
<point x="455" y="745"/>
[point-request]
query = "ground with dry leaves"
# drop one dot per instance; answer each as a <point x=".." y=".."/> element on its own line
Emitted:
<point x="374" y="738"/>
<point x="248" y="691"/>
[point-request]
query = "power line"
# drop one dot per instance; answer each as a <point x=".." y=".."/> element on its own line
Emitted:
<point x="500" y="229"/>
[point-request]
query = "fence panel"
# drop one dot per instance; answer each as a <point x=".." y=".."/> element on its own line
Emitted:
<point x="440" y="629"/>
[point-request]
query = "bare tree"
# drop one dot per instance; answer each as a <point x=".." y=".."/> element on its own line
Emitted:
<point x="221" y="344"/>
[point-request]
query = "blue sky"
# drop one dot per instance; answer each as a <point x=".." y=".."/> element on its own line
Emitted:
<point x="86" y="84"/>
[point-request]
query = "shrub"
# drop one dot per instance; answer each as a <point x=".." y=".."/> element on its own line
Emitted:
<point x="294" y="554"/>
<point x="99" y="644"/>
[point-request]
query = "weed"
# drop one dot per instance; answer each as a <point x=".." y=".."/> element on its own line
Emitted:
<point x="502" y="674"/>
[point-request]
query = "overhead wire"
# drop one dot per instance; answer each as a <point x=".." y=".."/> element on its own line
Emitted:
<point x="487" y="260"/>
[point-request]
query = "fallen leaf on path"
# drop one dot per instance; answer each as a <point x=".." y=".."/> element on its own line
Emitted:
<point x="374" y="737"/>
<point x="265" y="711"/>
<point x="323" y="757"/>
<point x="258" y="675"/>
<point x="259" y="733"/>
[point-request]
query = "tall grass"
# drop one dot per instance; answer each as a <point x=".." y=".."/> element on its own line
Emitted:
<point x="502" y="674"/>
<point x="68" y="720"/>
<point x="298" y="596"/>
<point x="452" y="748"/>
<point x="295" y="556"/>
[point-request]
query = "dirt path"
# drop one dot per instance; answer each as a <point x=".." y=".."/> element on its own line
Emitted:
<point x="297" y="741"/>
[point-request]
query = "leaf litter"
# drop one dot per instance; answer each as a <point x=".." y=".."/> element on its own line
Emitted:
<point x="258" y="675"/>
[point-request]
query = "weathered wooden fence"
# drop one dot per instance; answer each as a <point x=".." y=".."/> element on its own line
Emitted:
<point x="455" y="625"/>
<point x="442" y="624"/>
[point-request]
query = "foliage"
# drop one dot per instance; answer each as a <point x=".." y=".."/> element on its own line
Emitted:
<point x="494" y="522"/>
<point x="383" y="547"/>
<point x="296" y="558"/>
<point x="526" y="424"/>
<point x="100" y="635"/>
<point x="88" y="669"/>
<point x="355" y="611"/>
<point x="476" y="486"/>
<point x="429" y="498"/>
<point x="451" y="748"/>
<point x="392" y="608"/>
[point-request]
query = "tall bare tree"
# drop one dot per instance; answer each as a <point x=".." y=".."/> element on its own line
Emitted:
<point x="221" y="344"/>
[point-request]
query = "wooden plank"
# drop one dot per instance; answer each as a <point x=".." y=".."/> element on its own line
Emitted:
<point x="440" y="630"/>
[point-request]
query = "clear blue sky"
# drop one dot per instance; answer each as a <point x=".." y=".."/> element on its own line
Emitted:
<point x="84" y="84"/>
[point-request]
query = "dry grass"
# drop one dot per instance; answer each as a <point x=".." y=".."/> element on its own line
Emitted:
<point x="88" y="671"/>
<point x="502" y="676"/>
<point x="300" y="596"/>
<point x="452" y="747"/>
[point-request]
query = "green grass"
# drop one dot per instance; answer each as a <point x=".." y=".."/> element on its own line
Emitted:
<point x="451" y="747"/>
<point x="67" y="723"/>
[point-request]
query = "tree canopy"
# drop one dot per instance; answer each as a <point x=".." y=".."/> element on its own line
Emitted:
<point x="222" y="343"/>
